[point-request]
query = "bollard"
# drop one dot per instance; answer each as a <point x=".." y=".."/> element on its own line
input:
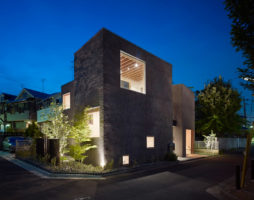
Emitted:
<point x="252" y="169"/>
<point x="237" y="178"/>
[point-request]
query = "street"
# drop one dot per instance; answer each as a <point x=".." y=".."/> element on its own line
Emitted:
<point x="187" y="180"/>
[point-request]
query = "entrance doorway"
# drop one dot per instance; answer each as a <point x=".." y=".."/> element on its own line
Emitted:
<point x="189" y="143"/>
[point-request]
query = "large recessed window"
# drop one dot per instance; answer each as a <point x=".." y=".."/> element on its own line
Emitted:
<point x="132" y="73"/>
<point x="150" y="142"/>
<point x="67" y="101"/>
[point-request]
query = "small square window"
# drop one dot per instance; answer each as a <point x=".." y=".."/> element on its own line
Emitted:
<point x="67" y="101"/>
<point x="150" y="142"/>
<point x="126" y="160"/>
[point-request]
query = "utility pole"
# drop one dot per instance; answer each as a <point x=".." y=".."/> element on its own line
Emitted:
<point x="42" y="81"/>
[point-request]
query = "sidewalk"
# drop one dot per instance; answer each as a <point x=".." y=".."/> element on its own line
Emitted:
<point x="247" y="193"/>
<point x="227" y="190"/>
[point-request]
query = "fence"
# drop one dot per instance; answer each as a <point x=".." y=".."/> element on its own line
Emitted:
<point x="222" y="144"/>
<point x="23" y="145"/>
<point x="213" y="145"/>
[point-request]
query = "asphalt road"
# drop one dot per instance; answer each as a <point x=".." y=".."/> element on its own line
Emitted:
<point x="184" y="181"/>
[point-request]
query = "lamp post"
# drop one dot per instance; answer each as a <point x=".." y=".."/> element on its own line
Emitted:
<point x="247" y="148"/>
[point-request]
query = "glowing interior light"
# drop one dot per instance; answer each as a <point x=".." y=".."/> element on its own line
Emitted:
<point x="136" y="65"/>
<point x="246" y="79"/>
<point x="150" y="141"/>
<point x="126" y="160"/>
<point x="67" y="101"/>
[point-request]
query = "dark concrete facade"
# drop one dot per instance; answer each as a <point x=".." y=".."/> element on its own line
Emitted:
<point x="127" y="117"/>
<point x="184" y="114"/>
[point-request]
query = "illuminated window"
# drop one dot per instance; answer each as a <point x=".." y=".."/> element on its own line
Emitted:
<point x="67" y="101"/>
<point x="132" y="73"/>
<point x="94" y="122"/>
<point x="126" y="160"/>
<point x="91" y="119"/>
<point x="150" y="142"/>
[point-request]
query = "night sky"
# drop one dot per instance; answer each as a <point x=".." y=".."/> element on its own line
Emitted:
<point x="38" y="39"/>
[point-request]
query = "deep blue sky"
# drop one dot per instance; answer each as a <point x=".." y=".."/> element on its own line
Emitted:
<point x="38" y="38"/>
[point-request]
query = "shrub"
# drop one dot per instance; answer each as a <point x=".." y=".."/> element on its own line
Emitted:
<point x="33" y="131"/>
<point x="170" y="156"/>
<point x="109" y="165"/>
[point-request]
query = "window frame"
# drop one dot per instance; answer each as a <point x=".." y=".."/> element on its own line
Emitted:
<point x="64" y="103"/>
<point x="144" y="87"/>
<point x="126" y="155"/>
<point x="150" y="147"/>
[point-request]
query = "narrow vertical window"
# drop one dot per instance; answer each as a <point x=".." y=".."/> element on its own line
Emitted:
<point x="67" y="101"/>
<point x="94" y="122"/>
<point x="150" y="142"/>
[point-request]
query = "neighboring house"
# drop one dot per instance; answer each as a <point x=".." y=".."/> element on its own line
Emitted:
<point x="43" y="106"/>
<point x="130" y="94"/>
<point x="20" y="111"/>
<point x="4" y="100"/>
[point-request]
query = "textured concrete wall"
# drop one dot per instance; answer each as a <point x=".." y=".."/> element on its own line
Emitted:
<point x="87" y="87"/>
<point x="184" y="114"/>
<point x="127" y="117"/>
<point x="130" y="116"/>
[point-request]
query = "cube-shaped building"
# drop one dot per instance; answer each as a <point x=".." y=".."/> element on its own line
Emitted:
<point x="129" y="91"/>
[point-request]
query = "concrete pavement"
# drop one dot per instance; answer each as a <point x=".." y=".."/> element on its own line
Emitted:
<point x="187" y="180"/>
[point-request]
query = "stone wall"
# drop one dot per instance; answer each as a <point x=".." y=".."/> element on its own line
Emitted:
<point x="127" y="117"/>
<point x="130" y="116"/>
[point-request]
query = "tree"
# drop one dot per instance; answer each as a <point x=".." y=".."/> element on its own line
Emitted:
<point x="33" y="131"/>
<point x="80" y="132"/>
<point x="57" y="126"/>
<point x="216" y="109"/>
<point x="242" y="35"/>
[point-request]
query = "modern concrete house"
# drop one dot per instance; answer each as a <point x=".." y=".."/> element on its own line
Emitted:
<point x="184" y="116"/>
<point x="129" y="91"/>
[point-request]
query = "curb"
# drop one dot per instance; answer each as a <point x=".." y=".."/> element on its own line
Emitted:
<point x="46" y="174"/>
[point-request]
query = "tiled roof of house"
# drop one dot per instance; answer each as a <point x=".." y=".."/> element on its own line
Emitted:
<point x="36" y="94"/>
<point x="9" y="96"/>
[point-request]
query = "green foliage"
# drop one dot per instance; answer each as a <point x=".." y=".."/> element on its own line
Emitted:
<point x="57" y="126"/>
<point x="242" y="35"/>
<point x="216" y="109"/>
<point x="75" y="167"/>
<point x="33" y="131"/>
<point x="210" y="140"/>
<point x="53" y="161"/>
<point x="80" y="132"/>
<point x="77" y="152"/>
<point x="170" y="156"/>
<point x="109" y="165"/>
